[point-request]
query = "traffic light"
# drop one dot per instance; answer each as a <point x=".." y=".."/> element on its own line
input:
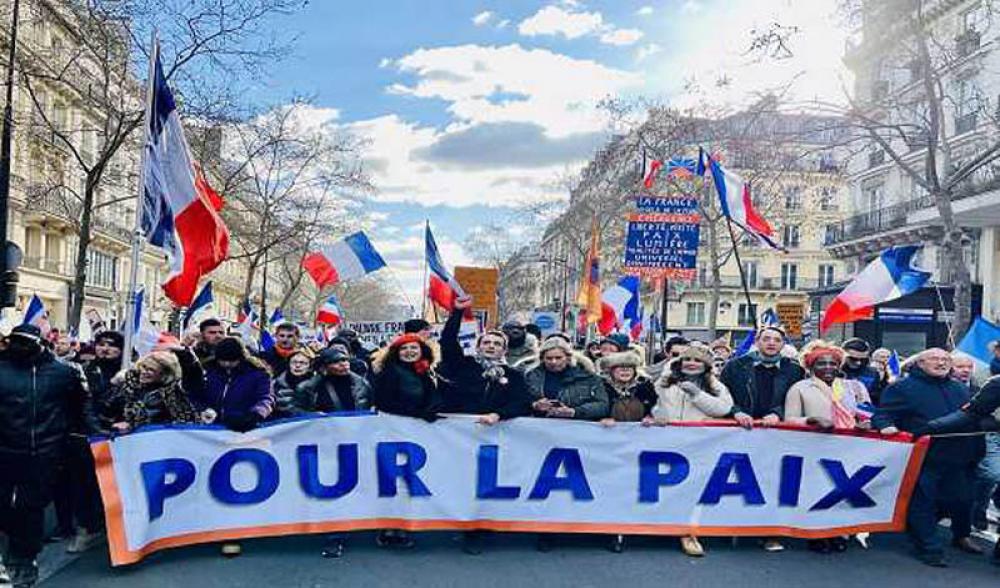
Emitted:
<point x="10" y="277"/>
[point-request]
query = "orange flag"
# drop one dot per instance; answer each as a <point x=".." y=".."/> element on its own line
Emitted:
<point x="589" y="295"/>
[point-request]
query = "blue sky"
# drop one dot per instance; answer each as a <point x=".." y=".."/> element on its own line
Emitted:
<point x="473" y="107"/>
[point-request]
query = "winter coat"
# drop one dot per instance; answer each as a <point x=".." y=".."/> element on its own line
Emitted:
<point x="275" y="360"/>
<point x="674" y="404"/>
<point x="532" y="361"/>
<point x="995" y="366"/>
<point x="237" y="393"/>
<point x="42" y="402"/>
<point x="528" y="349"/>
<point x="99" y="374"/>
<point x="738" y="377"/>
<point x="986" y="400"/>
<point x="162" y="404"/>
<point x="579" y="390"/>
<point x="307" y="394"/>
<point x="465" y="386"/>
<point x="911" y="402"/>
<point x="284" y="394"/>
<point x="870" y="378"/>
<point x="398" y="389"/>
<point x="810" y="399"/>
<point x="620" y="399"/>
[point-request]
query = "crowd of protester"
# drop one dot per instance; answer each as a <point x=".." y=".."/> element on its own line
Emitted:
<point x="55" y="394"/>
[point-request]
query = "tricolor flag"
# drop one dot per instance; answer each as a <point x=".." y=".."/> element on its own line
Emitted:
<point x="247" y="323"/>
<point x="769" y="318"/>
<point x="277" y="317"/>
<point x="442" y="287"/>
<point x="145" y="337"/>
<point x="589" y="295"/>
<point x="894" y="367"/>
<point x="620" y="307"/>
<point x="890" y="276"/>
<point x="35" y="314"/>
<point x="737" y="205"/>
<point x="202" y="304"/>
<point x="352" y="257"/>
<point x="266" y="340"/>
<point x="180" y="211"/>
<point x="330" y="313"/>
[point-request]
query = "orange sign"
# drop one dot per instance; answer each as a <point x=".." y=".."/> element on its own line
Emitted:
<point x="481" y="284"/>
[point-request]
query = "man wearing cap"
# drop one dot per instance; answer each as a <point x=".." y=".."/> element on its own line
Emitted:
<point x="759" y="382"/>
<point x="519" y="343"/>
<point x="857" y="366"/>
<point x="42" y="401"/>
<point x="334" y="388"/>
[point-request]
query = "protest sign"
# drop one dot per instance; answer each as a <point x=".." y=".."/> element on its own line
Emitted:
<point x="374" y="333"/>
<point x="661" y="239"/>
<point x="167" y="486"/>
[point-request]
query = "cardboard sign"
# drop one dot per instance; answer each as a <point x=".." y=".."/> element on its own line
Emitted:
<point x="481" y="284"/>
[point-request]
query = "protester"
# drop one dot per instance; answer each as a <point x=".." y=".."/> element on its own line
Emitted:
<point x="995" y="361"/>
<point x="42" y="401"/>
<point x="581" y="358"/>
<point x="721" y="349"/>
<point x="561" y="389"/>
<point x="827" y="401"/>
<point x="211" y="332"/>
<point x="612" y="344"/>
<point x="592" y="351"/>
<point x="672" y="349"/>
<point x="688" y="391"/>
<point x="759" y="382"/>
<point x="420" y="327"/>
<point x="520" y="344"/>
<point x="358" y="366"/>
<point x="405" y="383"/>
<point x="84" y="356"/>
<point x="482" y="384"/>
<point x="286" y="343"/>
<point x="946" y="478"/>
<point x="238" y="393"/>
<point x="300" y="369"/>
<point x="630" y="394"/>
<point x="356" y="349"/>
<point x="150" y="393"/>
<point x="63" y="347"/>
<point x="334" y="388"/>
<point x="962" y="369"/>
<point x="857" y="360"/>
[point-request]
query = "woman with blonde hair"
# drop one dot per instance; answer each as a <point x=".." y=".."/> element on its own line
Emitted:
<point x="151" y="393"/>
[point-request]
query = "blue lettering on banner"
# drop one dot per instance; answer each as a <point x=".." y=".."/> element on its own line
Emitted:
<point x="487" y="476"/>
<point x="389" y="468"/>
<point x="220" y="482"/>
<point x="158" y="488"/>
<point x="347" y="471"/>
<point x="791" y="480"/>
<point x="549" y="479"/>
<point x="651" y="478"/>
<point x="744" y="485"/>
<point x="661" y="245"/>
<point x="849" y="488"/>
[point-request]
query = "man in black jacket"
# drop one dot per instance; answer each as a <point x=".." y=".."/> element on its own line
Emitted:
<point x="857" y="366"/>
<point x="42" y="400"/>
<point x="758" y="383"/>
<point x="482" y="384"/>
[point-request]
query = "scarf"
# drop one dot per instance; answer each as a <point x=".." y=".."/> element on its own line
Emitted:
<point x="760" y="359"/>
<point x="842" y="403"/>
<point x="493" y="369"/>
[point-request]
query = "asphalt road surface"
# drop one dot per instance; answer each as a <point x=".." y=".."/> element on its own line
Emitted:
<point x="511" y="561"/>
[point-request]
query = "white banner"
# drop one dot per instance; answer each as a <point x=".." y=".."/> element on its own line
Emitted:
<point x="171" y="486"/>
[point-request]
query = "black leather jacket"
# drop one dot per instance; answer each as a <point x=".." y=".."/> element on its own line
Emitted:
<point x="42" y="402"/>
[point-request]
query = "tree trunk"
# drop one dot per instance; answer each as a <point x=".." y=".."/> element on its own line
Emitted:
<point x="953" y="269"/>
<point x="78" y="289"/>
<point x="248" y="282"/>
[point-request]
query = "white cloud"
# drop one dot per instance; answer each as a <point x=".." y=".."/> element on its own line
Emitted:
<point x="691" y="7"/>
<point x="503" y="23"/>
<point x="647" y="50"/>
<point x="645" y="11"/>
<point x="621" y="37"/>
<point x="482" y="18"/>
<point x="572" y="23"/>
<point x="552" y="20"/>
<point x="384" y="63"/>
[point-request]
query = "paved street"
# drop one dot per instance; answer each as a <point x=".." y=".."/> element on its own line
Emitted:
<point x="513" y="561"/>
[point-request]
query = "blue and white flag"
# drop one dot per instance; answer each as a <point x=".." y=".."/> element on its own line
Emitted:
<point x="746" y="345"/>
<point x="203" y="304"/>
<point x="277" y="317"/>
<point x="36" y="315"/>
<point x="769" y="318"/>
<point x="976" y="343"/>
<point x="894" y="365"/>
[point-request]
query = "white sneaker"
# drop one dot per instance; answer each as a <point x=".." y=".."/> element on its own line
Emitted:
<point x="84" y="540"/>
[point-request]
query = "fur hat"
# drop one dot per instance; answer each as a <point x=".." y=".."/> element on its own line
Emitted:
<point x="621" y="359"/>
<point x="698" y="352"/>
<point x="555" y="343"/>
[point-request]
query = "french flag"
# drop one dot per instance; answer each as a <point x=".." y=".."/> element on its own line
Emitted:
<point x="620" y="307"/>
<point x="443" y="288"/>
<point x="203" y="303"/>
<point x="330" y="313"/>
<point x="349" y="258"/>
<point x="890" y="276"/>
<point x="734" y="196"/>
<point x="36" y="315"/>
<point x="180" y="211"/>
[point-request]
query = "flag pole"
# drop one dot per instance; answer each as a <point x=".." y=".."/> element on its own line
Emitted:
<point x="137" y="235"/>
<point x="423" y="297"/>
<point x="743" y="276"/>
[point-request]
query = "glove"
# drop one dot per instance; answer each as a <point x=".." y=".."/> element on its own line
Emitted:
<point x="689" y="388"/>
<point x="242" y="423"/>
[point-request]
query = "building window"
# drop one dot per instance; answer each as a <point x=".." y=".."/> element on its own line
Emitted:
<point x="745" y="315"/>
<point x="825" y="275"/>
<point x="791" y="236"/>
<point x="102" y="269"/>
<point x="702" y="274"/>
<point x="793" y="199"/>
<point x="789" y="276"/>
<point x="827" y="200"/>
<point x="695" y="314"/>
<point x="750" y="271"/>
